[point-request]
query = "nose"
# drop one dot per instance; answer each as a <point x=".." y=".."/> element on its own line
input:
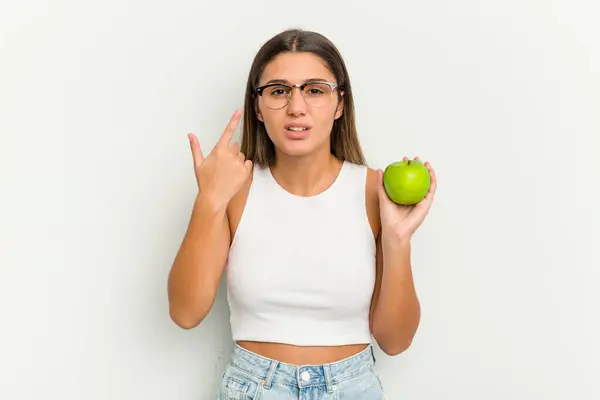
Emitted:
<point x="297" y="105"/>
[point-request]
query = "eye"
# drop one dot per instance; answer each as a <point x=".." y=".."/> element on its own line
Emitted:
<point x="278" y="91"/>
<point x="317" y="89"/>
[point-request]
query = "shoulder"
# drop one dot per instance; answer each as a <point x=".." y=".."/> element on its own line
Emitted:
<point x="371" y="195"/>
<point x="371" y="182"/>
<point x="236" y="206"/>
<point x="372" y="201"/>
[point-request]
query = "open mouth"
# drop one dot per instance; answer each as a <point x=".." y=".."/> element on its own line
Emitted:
<point x="296" y="132"/>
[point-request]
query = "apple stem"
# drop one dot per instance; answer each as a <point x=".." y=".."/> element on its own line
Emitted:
<point x="408" y="163"/>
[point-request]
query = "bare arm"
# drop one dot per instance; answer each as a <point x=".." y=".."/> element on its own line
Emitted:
<point x="395" y="309"/>
<point x="397" y="312"/>
<point x="196" y="272"/>
<point x="198" y="266"/>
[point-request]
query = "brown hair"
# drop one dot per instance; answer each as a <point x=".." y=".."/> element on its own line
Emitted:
<point x="256" y="144"/>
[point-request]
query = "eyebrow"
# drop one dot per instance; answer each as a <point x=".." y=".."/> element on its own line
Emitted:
<point x="288" y="82"/>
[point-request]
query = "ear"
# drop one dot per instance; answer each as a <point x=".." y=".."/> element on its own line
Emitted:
<point x="340" y="108"/>
<point x="257" y="111"/>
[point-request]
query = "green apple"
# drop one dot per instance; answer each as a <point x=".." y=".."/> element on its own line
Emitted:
<point x="406" y="182"/>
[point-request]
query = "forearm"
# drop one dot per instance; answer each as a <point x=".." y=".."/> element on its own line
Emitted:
<point x="397" y="313"/>
<point x="197" y="268"/>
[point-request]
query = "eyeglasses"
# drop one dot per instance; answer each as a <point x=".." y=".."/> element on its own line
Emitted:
<point x="314" y="93"/>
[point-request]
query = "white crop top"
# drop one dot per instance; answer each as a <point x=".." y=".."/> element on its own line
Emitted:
<point x="301" y="270"/>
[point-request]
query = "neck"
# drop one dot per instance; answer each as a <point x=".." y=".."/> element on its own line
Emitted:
<point x="306" y="175"/>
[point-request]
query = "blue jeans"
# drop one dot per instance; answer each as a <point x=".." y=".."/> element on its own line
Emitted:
<point x="249" y="376"/>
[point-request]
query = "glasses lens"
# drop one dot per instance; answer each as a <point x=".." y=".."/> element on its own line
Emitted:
<point x="317" y="94"/>
<point x="276" y="96"/>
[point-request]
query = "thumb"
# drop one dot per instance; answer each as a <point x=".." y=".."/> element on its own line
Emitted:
<point x="383" y="197"/>
<point x="197" y="155"/>
<point x="248" y="164"/>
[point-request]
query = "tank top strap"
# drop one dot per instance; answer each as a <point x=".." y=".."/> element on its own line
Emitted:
<point x="352" y="180"/>
<point x="263" y="182"/>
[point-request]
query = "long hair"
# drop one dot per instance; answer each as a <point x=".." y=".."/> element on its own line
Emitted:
<point x="255" y="143"/>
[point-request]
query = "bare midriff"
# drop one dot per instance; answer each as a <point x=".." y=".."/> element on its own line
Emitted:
<point x="302" y="355"/>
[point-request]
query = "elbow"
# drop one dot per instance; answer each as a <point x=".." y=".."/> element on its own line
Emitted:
<point x="188" y="312"/>
<point x="394" y="349"/>
<point x="394" y="341"/>
<point x="393" y="345"/>
<point x="185" y="319"/>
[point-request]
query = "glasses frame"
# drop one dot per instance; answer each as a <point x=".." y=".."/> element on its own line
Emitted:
<point x="259" y="90"/>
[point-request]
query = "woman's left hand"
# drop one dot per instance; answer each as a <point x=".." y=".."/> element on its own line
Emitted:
<point x="400" y="221"/>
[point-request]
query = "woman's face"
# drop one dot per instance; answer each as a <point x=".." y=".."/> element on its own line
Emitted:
<point x="299" y="128"/>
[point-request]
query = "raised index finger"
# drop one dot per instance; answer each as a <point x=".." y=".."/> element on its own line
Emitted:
<point x="230" y="129"/>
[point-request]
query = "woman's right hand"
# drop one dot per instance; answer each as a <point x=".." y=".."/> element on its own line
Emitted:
<point x="223" y="172"/>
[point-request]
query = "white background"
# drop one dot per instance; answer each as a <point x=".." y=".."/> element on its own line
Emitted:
<point x="97" y="185"/>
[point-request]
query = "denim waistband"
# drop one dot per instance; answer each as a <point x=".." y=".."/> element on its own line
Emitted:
<point x="269" y="371"/>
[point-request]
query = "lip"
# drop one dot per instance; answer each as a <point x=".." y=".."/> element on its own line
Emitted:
<point x="297" y="124"/>
<point x="297" y="134"/>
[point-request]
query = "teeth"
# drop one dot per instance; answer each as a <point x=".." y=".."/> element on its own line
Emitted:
<point x="296" y="128"/>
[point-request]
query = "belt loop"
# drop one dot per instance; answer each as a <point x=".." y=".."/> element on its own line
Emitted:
<point x="328" y="382"/>
<point x="269" y="379"/>
<point x="372" y="353"/>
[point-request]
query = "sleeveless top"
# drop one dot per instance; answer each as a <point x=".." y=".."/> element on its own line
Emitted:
<point x="301" y="270"/>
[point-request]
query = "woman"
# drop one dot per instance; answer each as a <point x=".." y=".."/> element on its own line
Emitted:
<point x="318" y="257"/>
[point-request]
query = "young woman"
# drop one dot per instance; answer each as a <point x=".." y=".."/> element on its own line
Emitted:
<point x="317" y="256"/>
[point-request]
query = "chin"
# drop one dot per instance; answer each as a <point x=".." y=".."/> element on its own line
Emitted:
<point x="296" y="147"/>
<point x="299" y="144"/>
